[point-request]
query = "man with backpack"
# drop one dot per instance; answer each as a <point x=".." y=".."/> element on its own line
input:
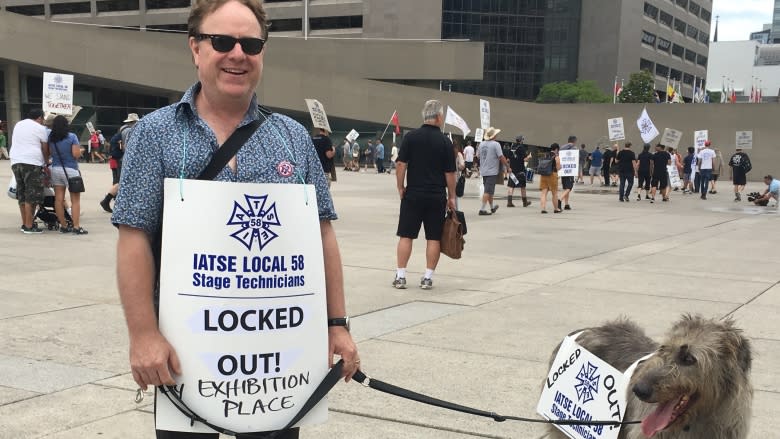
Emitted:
<point x="740" y="166"/>
<point x="118" y="142"/>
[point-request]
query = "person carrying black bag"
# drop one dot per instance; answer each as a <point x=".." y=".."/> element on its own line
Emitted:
<point x="517" y="154"/>
<point x="65" y="173"/>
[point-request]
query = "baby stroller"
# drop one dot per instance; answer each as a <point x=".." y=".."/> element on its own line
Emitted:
<point x="46" y="213"/>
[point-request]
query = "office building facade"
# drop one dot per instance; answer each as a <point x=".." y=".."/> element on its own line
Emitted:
<point x="775" y="36"/>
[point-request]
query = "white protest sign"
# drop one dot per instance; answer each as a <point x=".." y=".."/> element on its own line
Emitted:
<point x="570" y="162"/>
<point x="242" y="301"/>
<point x="457" y="121"/>
<point x="583" y="387"/>
<point x="353" y="135"/>
<point x="318" y="117"/>
<point x="674" y="176"/>
<point x="479" y="134"/>
<point x="671" y="137"/>
<point x="58" y="93"/>
<point x="617" y="130"/>
<point x="647" y="128"/>
<point x="700" y="137"/>
<point x="484" y="114"/>
<point x="90" y="127"/>
<point x="745" y="139"/>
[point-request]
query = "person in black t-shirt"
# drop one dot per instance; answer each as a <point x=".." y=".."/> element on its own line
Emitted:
<point x="517" y="154"/>
<point x="626" y="160"/>
<point x="661" y="159"/>
<point x="608" y="159"/>
<point x="425" y="174"/>
<point x="325" y="152"/>
<point x="643" y="172"/>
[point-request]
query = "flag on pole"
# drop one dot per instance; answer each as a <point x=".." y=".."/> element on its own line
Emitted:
<point x="669" y="92"/>
<point x="646" y="127"/>
<point x="733" y="95"/>
<point x="395" y="122"/>
<point x="457" y="121"/>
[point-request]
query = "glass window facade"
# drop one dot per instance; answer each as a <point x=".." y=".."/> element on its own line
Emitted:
<point x="679" y="26"/>
<point x="29" y="10"/>
<point x="286" y="24"/>
<point x="117" y="5"/>
<point x="661" y="70"/>
<point x="664" y="45"/>
<point x="648" y="38"/>
<point x="651" y="11"/>
<point x="69" y="8"/>
<point x="167" y="4"/>
<point x="342" y="22"/>
<point x="645" y="64"/>
<point x="666" y="19"/>
<point x="527" y="43"/>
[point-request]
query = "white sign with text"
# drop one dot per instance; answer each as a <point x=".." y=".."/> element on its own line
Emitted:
<point x="745" y="139"/>
<point x="570" y="163"/>
<point x="319" y="118"/>
<point x="242" y="301"/>
<point x="616" y="128"/>
<point x="58" y="93"/>
<point x="484" y="114"/>
<point x="353" y="135"/>
<point x="671" y="137"/>
<point x="582" y="386"/>
<point x="479" y="134"/>
<point x="700" y="137"/>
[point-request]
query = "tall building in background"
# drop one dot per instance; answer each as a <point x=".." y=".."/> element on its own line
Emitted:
<point x="776" y="23"/>
<point x="528" y="43"/>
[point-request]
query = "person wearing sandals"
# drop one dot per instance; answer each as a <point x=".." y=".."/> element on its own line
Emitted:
<point x="65" y="152"/>
<point x="550" y="182"/>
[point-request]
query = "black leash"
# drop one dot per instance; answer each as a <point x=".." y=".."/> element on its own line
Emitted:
<point x="390" y="389"/>
<point x="322" y="389"/>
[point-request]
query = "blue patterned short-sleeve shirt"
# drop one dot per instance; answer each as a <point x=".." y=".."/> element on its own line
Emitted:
<point x="174" y="140"/>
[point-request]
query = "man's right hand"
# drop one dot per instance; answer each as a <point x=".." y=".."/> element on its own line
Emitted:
<point x="152" y="359"/>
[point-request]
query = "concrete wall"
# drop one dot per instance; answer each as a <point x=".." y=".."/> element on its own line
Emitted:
<point x="402" y="19"/>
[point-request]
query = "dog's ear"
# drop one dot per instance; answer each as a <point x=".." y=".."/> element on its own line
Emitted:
<point x="737" y="345"/>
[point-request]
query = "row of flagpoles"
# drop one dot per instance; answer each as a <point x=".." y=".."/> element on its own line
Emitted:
<point x="699" y="94"/>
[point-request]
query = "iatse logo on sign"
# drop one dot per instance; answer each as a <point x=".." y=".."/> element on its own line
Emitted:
<point x="256" y="218"/>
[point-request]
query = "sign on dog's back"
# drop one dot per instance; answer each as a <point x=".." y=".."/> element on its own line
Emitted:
<point x="581" y="386"/>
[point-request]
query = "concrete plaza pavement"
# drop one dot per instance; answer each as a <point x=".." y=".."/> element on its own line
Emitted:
<point x="481" y="337"/>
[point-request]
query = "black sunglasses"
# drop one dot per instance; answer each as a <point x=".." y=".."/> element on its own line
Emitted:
<point x="226" y="43"/>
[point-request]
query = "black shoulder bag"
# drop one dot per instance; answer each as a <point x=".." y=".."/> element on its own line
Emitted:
<point x="75" y="183"/>
<point x="218" y="161"/>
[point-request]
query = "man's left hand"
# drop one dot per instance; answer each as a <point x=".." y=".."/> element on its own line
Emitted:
<point x="340" y="343"/>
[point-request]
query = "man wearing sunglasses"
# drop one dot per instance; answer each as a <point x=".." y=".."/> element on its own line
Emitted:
<point x="227" y="42"/>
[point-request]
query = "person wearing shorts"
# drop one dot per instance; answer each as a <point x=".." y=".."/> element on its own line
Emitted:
<point x="425" y="175"/>
<point x="549" y="183"/>
<point x="29" y="155"/>
<point x="567" y="183"/>
<point x="596" y="160"/>
<point x="491" y="158"/>
<point x="660" y="180"/>
<point x="517" y="154"/>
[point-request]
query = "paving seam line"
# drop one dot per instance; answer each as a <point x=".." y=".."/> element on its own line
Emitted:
<point x="416" y="424"/>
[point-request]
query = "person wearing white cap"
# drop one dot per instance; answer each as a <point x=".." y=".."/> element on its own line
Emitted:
<point x="491" y="157"/>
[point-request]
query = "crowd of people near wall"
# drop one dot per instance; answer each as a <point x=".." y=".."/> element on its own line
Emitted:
<point x="45" y="155"/>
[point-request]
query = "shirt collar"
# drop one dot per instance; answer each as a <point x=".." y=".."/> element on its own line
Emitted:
<point x="187" y="103"/>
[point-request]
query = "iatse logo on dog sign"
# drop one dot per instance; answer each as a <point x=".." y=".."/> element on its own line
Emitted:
<point x="582" y="386"/>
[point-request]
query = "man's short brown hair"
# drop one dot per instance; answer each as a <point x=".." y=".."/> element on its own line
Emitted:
<point x="202" y="8"/>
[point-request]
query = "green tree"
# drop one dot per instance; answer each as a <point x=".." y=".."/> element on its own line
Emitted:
<point x="714" y="96"/>
<point x="564" y="92"/>
<point x="640" y="89"/>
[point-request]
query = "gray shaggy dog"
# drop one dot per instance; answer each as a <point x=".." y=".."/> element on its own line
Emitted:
<point x="695" y="386"/>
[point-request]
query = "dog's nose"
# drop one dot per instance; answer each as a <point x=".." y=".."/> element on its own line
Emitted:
<point x="643" y="391"/>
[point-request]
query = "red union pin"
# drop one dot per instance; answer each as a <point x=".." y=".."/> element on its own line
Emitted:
<point x="284" y="168"/>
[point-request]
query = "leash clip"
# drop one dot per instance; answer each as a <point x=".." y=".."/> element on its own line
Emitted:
<point x="139" y="396"/>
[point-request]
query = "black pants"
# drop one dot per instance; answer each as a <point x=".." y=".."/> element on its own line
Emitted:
<point x="605" y="171"/>
<point x="627" y="182"/>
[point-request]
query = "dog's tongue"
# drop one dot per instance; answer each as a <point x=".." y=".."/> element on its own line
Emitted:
<point x="659" y="419"/>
